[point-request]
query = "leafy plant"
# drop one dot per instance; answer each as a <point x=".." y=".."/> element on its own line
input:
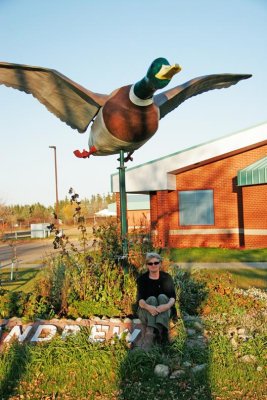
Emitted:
<point x="12" y="303"/>
<point x="139" y="243"/>
<point x="83" y="370"/>
<point x="90" y="281"/>
<point x="107" y="241"/>
<point x="190" y="292"/>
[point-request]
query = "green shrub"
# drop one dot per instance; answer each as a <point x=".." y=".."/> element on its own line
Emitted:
<point x="101" y="287"/>
<point x="190" y="292"/>
<point x="38" y="307"/>
<point x="82" y="283"/>
<point x="87" y="309"/>
<point x="107" y="240"/>
<point x="12" y="303"/>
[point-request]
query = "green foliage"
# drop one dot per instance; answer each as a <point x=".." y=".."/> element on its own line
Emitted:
<point x="139" y="244"/>
<point x="230" y="378"/>
<point x="29" y="213"/>
<point x="81" y="285"/>
<point x="12" y="303"/>
<point x="24" y="305"/>
<point x="12" y="365"/>
<point x="78" y="369"/>
<point x="101" y="286"/>
<point x="190" y="292"/>
<point x="108" y="243"/>
<point x="107" y="240"/>
<point x="89" y="308"/>
<point x="222" y="295"/>
<point x="73" y="368"/>
<point x="139" y="364"/>
<point x="84" y="282"/>
<point x="38" y="307"/>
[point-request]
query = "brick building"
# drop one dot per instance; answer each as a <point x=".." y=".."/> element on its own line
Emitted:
<point x="138" y="211"/>
<point x="211" y="195"/>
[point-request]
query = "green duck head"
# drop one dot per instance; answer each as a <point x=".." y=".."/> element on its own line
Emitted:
<point x="158" y="76"/>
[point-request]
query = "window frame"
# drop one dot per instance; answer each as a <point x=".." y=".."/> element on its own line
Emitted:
<point x="209" y="203"/>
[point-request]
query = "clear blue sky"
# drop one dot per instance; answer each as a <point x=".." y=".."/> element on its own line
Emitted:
<point x="105" y="44"/>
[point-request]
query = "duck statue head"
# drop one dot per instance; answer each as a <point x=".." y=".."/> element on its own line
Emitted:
<point x="158" y="77"/>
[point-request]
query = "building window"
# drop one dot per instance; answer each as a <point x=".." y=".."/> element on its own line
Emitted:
<point x="196" y="207"/>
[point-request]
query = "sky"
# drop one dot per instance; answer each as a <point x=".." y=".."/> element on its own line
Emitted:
<point x="104" y="45"/>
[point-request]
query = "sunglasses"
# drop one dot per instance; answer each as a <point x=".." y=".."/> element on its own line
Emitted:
<point x="153" y="263"/>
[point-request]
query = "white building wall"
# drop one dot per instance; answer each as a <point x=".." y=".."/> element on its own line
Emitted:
<point x="160" y="174"/>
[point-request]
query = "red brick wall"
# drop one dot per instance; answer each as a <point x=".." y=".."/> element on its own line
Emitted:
<point x="234" y="207"/>
<point x="159" y="214"/>
<point x="255" y="214"/>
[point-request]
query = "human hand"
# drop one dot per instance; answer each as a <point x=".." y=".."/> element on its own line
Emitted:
<point x="162" y="308"/>
<point x="152" y="310"/>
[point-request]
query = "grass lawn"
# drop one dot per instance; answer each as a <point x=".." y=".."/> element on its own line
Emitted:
<point x="22" y="281"/>
<point x="246" y="277"/>
<point x="216" y="255"/>
<point x="241" y="277"/>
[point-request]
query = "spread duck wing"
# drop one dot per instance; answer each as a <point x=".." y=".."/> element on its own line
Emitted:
<point x="170" y="99"/>
<point x="72" y="103"/>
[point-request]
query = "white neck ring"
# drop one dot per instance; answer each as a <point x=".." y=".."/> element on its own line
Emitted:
<point x="137" y="101"/>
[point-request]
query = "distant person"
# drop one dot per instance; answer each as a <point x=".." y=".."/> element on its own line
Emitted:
<point x="156" y="301"/>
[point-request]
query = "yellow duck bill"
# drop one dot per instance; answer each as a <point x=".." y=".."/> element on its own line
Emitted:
<point x="168" y="71"/>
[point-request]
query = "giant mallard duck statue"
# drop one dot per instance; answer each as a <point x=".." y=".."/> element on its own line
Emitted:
<point x="123" y="120"/>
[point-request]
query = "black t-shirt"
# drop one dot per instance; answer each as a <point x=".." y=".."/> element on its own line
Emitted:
<point x="147" y="287"/>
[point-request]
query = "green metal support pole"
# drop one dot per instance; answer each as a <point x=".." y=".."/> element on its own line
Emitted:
<point x="123" y="207"/>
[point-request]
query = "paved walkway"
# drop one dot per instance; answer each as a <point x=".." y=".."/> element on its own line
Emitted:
<point x="32" y="254"/>
<point x="225" y="265"/>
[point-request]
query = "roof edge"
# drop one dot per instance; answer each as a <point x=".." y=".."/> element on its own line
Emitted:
<point x="188" y="149"/>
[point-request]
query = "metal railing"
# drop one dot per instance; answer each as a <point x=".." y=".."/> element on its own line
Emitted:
<point x="16" y="235"/>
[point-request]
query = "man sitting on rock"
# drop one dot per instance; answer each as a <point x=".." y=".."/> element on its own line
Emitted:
<point x="156" y="298"/>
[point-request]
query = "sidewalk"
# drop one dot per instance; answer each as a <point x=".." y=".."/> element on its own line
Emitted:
<point x="224" y="265"/>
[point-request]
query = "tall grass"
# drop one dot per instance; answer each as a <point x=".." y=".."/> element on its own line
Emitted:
<point x="231" y="377"/>
<point x="73" y="368"/>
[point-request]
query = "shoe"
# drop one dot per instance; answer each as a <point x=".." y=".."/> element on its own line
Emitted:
<point x="161" y="335"/>
<point x="158" y="335"/>
<point x="148" y="338"/>
<point x="165" y="336"/>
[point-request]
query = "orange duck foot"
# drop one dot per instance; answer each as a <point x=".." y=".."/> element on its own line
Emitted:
<point x="85" y="153"/>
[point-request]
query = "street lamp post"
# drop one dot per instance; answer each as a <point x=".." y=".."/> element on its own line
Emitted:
<point x="55" y="159"/>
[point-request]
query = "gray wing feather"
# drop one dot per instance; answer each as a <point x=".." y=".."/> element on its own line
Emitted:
<point x="170" y="99"/>
<point x="73" y="104"/>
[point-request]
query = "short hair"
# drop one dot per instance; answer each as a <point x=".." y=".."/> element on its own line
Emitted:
<point x="153" y="255"/>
